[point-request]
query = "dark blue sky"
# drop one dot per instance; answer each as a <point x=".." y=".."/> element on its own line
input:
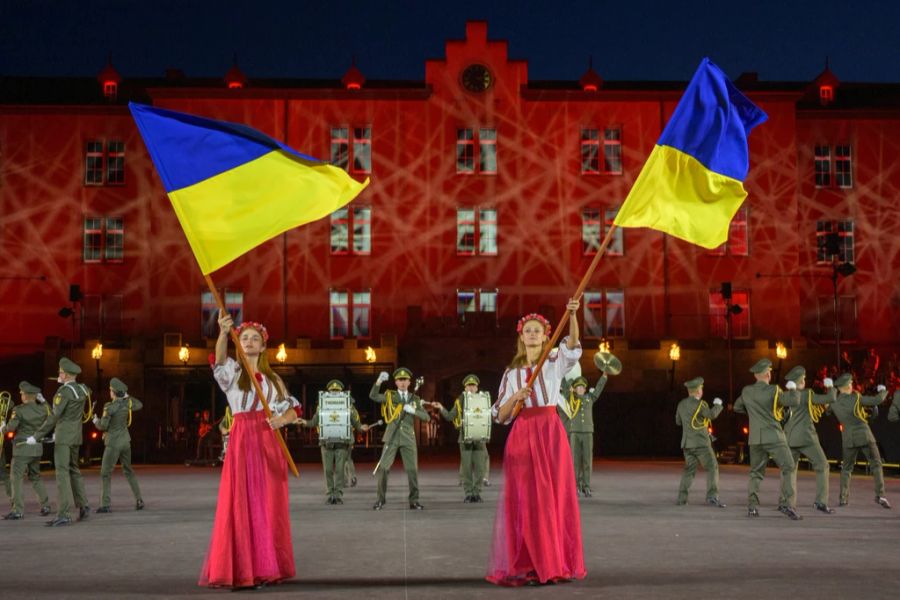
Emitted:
<point x="630" y="39"/>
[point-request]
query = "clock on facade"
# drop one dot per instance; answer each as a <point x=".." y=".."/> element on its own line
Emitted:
<point x="476" y="78"/>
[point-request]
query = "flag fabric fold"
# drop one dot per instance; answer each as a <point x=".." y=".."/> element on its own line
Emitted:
<point x="233" y="187"/>
<point x="693" y="181"/>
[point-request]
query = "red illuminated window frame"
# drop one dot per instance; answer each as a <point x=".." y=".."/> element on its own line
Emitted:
<point x="362" y="150"/>
<point x="475" y="300"/>
<point x="590" y="151"/>
<point x="612" y="151"/>
<point x="104" y="239"/>
<point x="485" y="140"/>
<point x="604" y="313"/>
<point x="344" y="303"/>
<point x="845" y="235"/>
<point x="476" y="231"/>
<point x="93" y="162"/>
<point x="115" y="163"/>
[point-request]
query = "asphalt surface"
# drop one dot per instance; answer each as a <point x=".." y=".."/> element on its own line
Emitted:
<point x="638" y="543"/>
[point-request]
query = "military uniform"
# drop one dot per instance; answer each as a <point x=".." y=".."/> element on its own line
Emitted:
<point x="894" y="412"/>
<point x="335" y="451"/>
<point x="694" y="415"/>
<point x="764" y="404"/>
<point x="114" y="423"/>
<point x="26" y="459"/>
<point x="578" y="418"/>
<point x="856" y="437"/>
<point x="4" y="473"/>
<point x="399" y="436"/>
<point x="802" y="438"/>
<point x="472" y="454"/>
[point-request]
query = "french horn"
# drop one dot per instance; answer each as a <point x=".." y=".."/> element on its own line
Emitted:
<point x="607" y="362"/>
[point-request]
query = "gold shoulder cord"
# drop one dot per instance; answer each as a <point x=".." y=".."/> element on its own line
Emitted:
<point x="815" y="410"/>
<point x="860" y="411"/>
<point x="229" y="419"/>
<point x="777" y="411"/>
<point x="457" y="421"/>
<point x="90" y="409"/>
<point x="701" y="424"/>
<point x="574" y="404"/>
<point x="388" y="412"/>
<point x="129" y="411"/>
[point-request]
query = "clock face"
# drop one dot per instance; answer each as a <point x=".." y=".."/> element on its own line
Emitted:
<point x="476" y="78"/>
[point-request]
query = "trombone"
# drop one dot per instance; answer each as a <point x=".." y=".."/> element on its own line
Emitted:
<point x="6" y="403"/>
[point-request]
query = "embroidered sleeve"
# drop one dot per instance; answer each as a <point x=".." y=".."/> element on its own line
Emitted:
<point x="226" y="374"/>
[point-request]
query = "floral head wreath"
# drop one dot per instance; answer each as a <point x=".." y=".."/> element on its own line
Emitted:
<point x="253" y="325"/>
<point x="534" y="317"/>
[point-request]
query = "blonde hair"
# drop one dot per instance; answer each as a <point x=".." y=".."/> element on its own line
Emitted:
<point x="521" y="358"/>
<point x="263" y="367"/>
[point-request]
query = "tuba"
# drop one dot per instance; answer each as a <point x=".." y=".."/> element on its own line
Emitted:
<point x="607" y="362"/>
<point x="6" y="403"/>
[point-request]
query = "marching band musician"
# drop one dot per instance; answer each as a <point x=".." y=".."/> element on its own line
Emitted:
<point x="26" y="459"/>
<point x="473" y="455"/>
<point x="894" y="412"/>
<point x="335" y="451"/>
<point x="225" y="424"/>
<point x="802" y="437"/>
<point x="850" y="408"/>
<point x="764" y="404"/>
<point x="66" y="419"/>
<point x="114" y="423"/>
<point x="577" y="413"/>
<point x="694" y="416"/>
<point x="399" y="409"/>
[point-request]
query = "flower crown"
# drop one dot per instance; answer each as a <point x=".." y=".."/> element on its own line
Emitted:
<point x="253" y="325"/>
<point x="534" y="317"/>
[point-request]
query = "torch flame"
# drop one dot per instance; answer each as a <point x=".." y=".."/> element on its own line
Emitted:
<point x="370" y="354"/>
<point x="675" y="352"/>
<point x="281" y="356"/>
<point x="184" y="354"/>
<point x="604" y="346"/>
<point x="97" y="352"/>
<point x="780" y="350"/>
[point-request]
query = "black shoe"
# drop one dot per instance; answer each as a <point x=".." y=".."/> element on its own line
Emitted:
<point x="753" y="512"/>
<point x="790" y="513"/>
<point x="822" y="507"/>
<point x="378" y="505"/>
<point x="468" y="500"/>
<point x="45" y="510"/>
<point x="84" y="512"/>
<point x="329" y="500"/>
<point x="353" y="482"/>
<point x="13" y="516"/>
<point x="714" y="501"/>
<point x="59" y="522"/>
<point x="477" y="498"/>
<point x="337" y="500"/>
<point x="587" y="492"/>
<point x="103" y="509"/>
<point x="883" y="501"/>
<point x="139" y="505"/>
<point x="415" y="506"/>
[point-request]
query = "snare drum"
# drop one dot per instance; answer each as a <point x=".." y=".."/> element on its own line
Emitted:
<point x="334" y="416"/>
<point x="476" y="417"/>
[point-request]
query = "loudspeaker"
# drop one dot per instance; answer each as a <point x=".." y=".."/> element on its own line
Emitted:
<point x="75" y="294"/>
<point x="726" y="290"/>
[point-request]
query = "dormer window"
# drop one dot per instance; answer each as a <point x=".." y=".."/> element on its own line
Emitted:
<point x="110" y="89"/>
<point x="826" y="94"/>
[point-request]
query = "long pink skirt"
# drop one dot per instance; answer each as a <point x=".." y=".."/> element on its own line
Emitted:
<point x="251" y="536"/>
<point x="537" y="530"/>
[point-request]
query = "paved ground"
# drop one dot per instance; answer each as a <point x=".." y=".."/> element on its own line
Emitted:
<point x="638" y="544"/>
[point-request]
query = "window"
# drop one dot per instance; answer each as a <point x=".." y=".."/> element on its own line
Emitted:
<point x="343" y="304"/>
<point x="590" y="151"/>
<point x="475" y="300"/>
<point x="362" y="230"/>
<point x="351" y="228"/>
<point x="616" y="246"/>
<point x="340" y="147"/>
<point x="604" y="313"/>
<point x="361" y="159"/>
<point x="612" y="151"/>
<point x="738" y="243"/>
<point x="115" y="163"/>
<point x="487" y="151"/>
<point x="834" y="238"/>
<point x="93" y="163"/>
<point x="209" y="311"/>
<point x="592" y="229"/>
<point x="110" y="90"/>
<point x="104" y="239"/>
<point x="826" y="94"/>
<point x="476" y="235"/>
<point x="740" y="321"/>
<point x="842" y="167"/>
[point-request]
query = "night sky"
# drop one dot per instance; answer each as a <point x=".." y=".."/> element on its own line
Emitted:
<point x="629" y="40"/>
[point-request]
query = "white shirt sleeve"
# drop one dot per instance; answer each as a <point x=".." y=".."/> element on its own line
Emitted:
<point x="567" y="358"/>
<point x="225" y="375"/>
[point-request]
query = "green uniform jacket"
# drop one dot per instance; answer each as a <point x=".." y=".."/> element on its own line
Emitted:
<point x="115" y="420"/>
<point x="453" y="413"/>
<point x="800" y="429"/>
<point x="402" y="426"/>
<point x="583" y="420"/>
<point x="66" y="415"/>
<point x="894" y="413"/>
<point x="856" y="432"/>
<point x="25" y="421"/>
<point x="757" y="401"/>
<point x="684" y="416"/>
<point x="355" y="424"/>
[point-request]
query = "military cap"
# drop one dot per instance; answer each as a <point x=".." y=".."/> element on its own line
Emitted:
<point x="402" y="373"/>
<point x="580" y="381"/>
<point x="471" y="379"/>
<point x="334" y="385"/>
<point x="118" y="386"/>
<point x="843" y="380"/>
<point x="29" y="388"/>
<point x="761" y="366"/>
<point x="693" y="384"/>
<point x="68" y="366"/>
<point x="795" y="374"/>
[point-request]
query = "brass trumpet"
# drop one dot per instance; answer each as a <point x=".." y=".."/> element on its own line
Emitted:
<point x="6" y="403"/>
<point x="607" y="362"/>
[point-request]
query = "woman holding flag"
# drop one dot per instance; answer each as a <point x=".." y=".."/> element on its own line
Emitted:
<point x="251" y="543"/>
<point x="537" y="530"/>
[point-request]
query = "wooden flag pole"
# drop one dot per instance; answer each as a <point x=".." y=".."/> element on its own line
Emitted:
<point x="565" y="318"/>
<point x="242" y="358"/>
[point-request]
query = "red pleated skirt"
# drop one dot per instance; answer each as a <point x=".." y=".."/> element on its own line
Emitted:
<point x="537" y="530"/>
<point x="251" y="536"/>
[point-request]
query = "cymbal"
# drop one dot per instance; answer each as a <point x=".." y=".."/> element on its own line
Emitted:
<point x="606" y="361"/>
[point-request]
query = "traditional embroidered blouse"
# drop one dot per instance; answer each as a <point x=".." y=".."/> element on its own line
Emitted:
<point x="240" y="401"/>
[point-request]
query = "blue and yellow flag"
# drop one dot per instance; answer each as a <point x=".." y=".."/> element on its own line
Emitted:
<point x="693" y="182"/>
<point x="234" y="187"/>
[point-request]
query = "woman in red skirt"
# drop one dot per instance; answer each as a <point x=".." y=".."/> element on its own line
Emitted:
<point x="251" y="543"/>
<point x="537" y="530"/>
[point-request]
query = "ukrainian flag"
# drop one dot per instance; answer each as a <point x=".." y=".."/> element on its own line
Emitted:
<point x="234" y="187"/>
<point x="693" y="182"/>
